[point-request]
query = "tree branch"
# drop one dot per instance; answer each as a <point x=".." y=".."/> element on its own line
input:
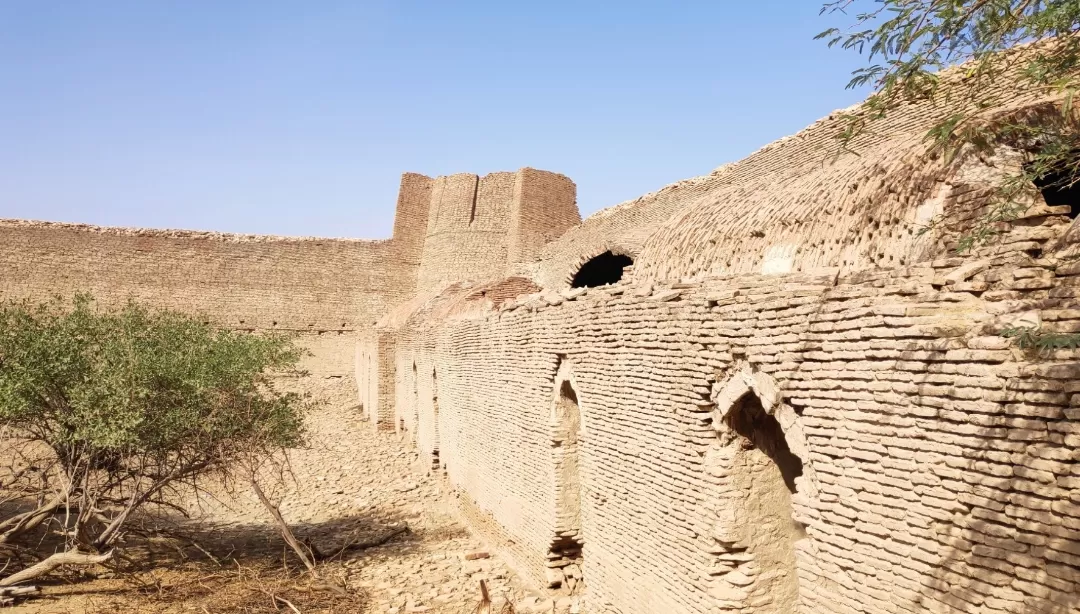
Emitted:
<point x="71" y="557"/>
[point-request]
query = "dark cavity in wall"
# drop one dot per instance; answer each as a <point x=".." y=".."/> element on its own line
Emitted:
<point x="607" y="268"/>
<point x="762" y="431"/>
<point x="1061" y="187"/>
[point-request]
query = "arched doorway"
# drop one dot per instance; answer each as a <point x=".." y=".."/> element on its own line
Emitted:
<point x="565" y="553"/>
<point x="756" y="529"/>
<point x="435" y="463"/>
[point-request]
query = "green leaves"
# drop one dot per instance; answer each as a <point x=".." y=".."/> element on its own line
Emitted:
<point x="908" y="43"/>
<point x="1040" y="341"/>
<point x="136" y="380"/>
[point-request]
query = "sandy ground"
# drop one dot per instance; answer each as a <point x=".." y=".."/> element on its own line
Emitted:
<point x="352" y="485"/>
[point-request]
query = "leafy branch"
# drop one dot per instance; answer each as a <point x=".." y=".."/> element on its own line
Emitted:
<point x="909" y="43"/>
<point x="1040" y="341"/>
<point x="106" y="412"/>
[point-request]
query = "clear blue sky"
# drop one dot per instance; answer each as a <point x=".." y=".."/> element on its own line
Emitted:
<point x="298" y="118"/>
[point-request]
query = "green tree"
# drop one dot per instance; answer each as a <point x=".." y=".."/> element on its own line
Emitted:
<point x="1002" y="44"/>
<point x="104" y="411"/>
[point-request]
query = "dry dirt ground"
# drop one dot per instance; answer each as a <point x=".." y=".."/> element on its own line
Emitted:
<point x="353" y="485"/>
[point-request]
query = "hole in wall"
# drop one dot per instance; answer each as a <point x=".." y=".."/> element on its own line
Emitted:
<point x="1061" y="187"/>
<point x="607" y="268"/>
<point x="760" y="523"/>
<point x="762" y="431"/>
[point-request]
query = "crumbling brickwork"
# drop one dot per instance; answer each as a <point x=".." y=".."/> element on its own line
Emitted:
<point x="793" y="400"/>
<point x="938" y="463"/>
<point x="774" y="394"/>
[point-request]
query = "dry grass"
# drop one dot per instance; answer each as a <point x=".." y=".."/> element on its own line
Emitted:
<point x="212" y="573"/>
<point x="241" y="589"/>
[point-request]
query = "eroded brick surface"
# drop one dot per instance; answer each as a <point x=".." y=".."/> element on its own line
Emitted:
<point x="794" y="400"/>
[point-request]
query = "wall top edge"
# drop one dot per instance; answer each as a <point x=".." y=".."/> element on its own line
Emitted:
<point x="166" y="233"/>
<point x="482" y="176"/>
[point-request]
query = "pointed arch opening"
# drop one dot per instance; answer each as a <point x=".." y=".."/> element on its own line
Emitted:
<point x="757" y="521"/>
<point x="435" y="462"/>
<point x="761" y="430"/>
<point x="565" y="553"/>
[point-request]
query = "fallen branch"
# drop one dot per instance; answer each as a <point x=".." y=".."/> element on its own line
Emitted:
<point x="288" y="603"/>
<point x="27" y="521"/>
<point x="70" y="557"/>
<point x="8" y="595"/>
<point x="18" y="591"/>
<point x="369" y="543"/>
<point x="274" y="599"/>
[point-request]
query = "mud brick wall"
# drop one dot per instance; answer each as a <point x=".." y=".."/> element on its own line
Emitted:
<point x="477" y="226"/>
<point x="543" y="209"/>
<point x="939" y="463"/>
<point x="327" y="286"/>
<point x="238" y="280"/>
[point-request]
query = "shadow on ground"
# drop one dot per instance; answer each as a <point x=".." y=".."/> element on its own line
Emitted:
<point x="209" y="568"/>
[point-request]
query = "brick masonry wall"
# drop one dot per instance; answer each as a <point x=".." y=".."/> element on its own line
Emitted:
<point x="467" y="229"/>
<point x="544" y="207"/>
<point x="479" y="226"/>
<point x="905" y="456"/>
<point x="940" y="463"/>
<point x="241" y="281"/>
<point x="325" y="288"/>
<point x="792" y="403"/>
<point x="793" y="205"/>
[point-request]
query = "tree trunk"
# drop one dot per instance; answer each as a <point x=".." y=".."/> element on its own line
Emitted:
<point x="306" y="556"/>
